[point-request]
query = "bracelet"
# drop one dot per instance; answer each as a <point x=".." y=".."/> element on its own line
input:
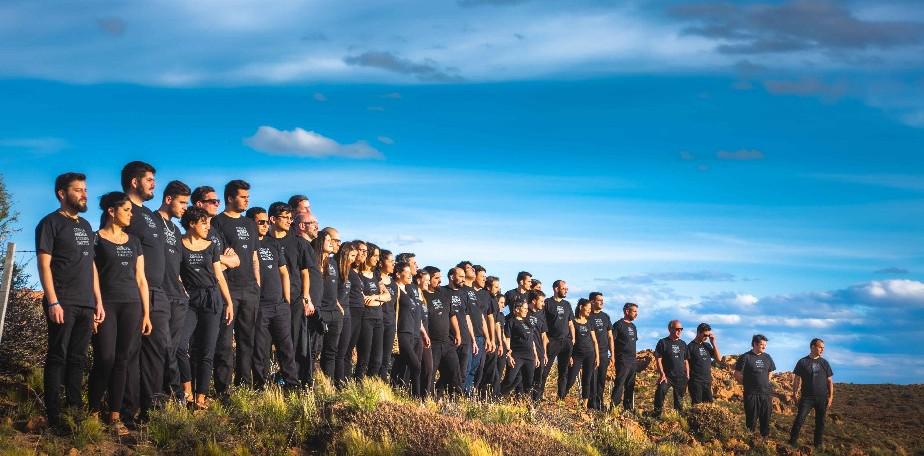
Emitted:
<point x="52" y="304"/>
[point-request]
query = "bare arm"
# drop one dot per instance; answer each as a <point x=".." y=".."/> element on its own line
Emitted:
<point x="609" y="334"/>
<point x="223" y="286"/>
<point x="256" y="267"/>
<point x="593" y="337"/>
<point x="454" y="322"/>
<point x="286" y="285"/>
<point x="830" y="391"/>
<point x="142" y="281"/>
<point x="229" y="259"/>
<point x="55" y="313"/>
<point x="661" y="375"/>
<point x="100" y="314"/>
<point x="571" y="329"/>
<point x="796" y="383"/>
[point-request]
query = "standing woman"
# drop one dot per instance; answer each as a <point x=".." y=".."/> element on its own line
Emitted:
<point x="329" y="311"/>
<point x="385" y="269"/>
<point x="345" y="259"/>
<point x="412" y="336"/>
<point x="124" y="292"/>
<point x="375" y="294"/>
<point x="356" y="303"/>
<point x="209" y="301"/>
<point x="585" y="356"/>
<point x="426" y="355"/>
<point x="523" y="358"/>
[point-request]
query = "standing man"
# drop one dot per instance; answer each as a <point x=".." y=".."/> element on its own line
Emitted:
<point x="307" y="345"/>
<point x="753" y="369"/>
<point x="536" y="318"/>
<point x="673" y="367"/>
<point x="700" y="354"/>
<point x="138" y="184"/>
<point x="602" y="325"/>
<point x="560" y="319"/>
<point x="173" y="205"/>
<point x="71" y="298"/>
<point x="300" y="205"/>
<point x="475" y="313"/>
<point x="817" y="392"/>
<point x="524" y="284"/>
<point x="240" y="233"/>
<point x="625" y="335"/>
<point x="205" y="197"/>
<point x="443" y="328"/>
<point x="486" y="305"/>
<point x="459" y="299"/>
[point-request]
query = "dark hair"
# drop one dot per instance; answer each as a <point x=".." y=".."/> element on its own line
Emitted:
<point x="176" y="188"/>
<point x="383" y="255"/>
<point x="516" y="304"/>
<point x="815" y="341"/>
<point x="629" y="305"/>
<point x="252" y="212"/>
<point x="581" y="303"/>
<point x="479" y="268"/>
<point x="135" y="170"/>
<point x="452" y="271"/>
<point x="703" y="327"/>
<point x="318" y="245"/>
<point x="593" y="295"/>
<point x="464" y="263"/>
<point x="532" y="295"/>
<point x="357" y="242"/>
<point x="399" y="266"/>
<point x="489" y="282"/>
<point x="522" y="275"/>
<point x="431" y="269"/>
<point x="276" y="209"/>
<point x="109" y="201"/>
<point x="758" y="338"/>
<point x="232" y="187"/>
<point x="294" y="200"/>
<point x="192" y="215"/>
<point x="404" y="258"/>
<point x="199" y="193"/>
<point x="536" y="282"/>
<point x="557" y="284"/>
<point x="63" y="181"/>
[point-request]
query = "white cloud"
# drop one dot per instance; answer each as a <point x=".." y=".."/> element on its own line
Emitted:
<point x="385" y="140"/>
<point x="302" y="143"/>
<point x="34" y="145"/>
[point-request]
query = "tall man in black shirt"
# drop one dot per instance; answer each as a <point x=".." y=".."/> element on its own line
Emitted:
<point x="625" y="335"/>
<point x="300" y="261"/>
<point x="536" y="318"/>
<point x="753" y="369"/>
<point x="138" y="183"/>
<point x="240" y="233"/>
<point x="673" y="367"/>
<point x="701" y="351"/>
<point x="459" y="297"/>
<point x="307" y="340"/>
<point x="173" y="205"/>
<point x="602" y="326"/>
<point x="817" y="391"/>
<point x="524" y="284"/>
<point x="64" y="248"/>
<point x="476" y="313"/>
<point x="443" y="328"/>
<point x="560" y="318"/>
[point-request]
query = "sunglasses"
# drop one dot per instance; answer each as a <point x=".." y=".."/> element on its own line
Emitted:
<point x="678" y="329"/>
<point x="262" y="222"/>
<point x="212" y="202"/>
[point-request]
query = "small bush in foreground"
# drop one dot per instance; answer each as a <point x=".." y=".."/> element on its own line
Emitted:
<point x="710" y="422"/>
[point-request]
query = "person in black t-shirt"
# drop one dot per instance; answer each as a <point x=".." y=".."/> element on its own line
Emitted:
<point x="375" y="297"/>
<point x="560" y="317"/>
<point x="306" y="333"/>
<point x="817" y="391"/>
<point x="412" y="336"/>
<point x="536" y="318"/>
<point x="673" y="367"/>
<point x="385" y="270"/>
<point x="124" y="291"/>
<point x="475" y="313"/>
<point x="602" y="325"/>
<point x="422" y="281"/>
<point x="206" y="198"/>
<point x="486" y="304"/>
<point x="355" y="302"/>
<point x="445" y="336"/>
<point x="585" y="356"/>
<point x="494" y="361"/>
<point x="625" y="335"/>
<point x="524" y="284"/>
<point x="753" y="369"/>
<point x="210" y="305"/>
<point x="459" y="298"/>
<point x="700" y="355"/>
<point x="64" y="251"/>
<point x="523" y="358"/>
<point x="173" y="206"/>
<point x="345" y="258"/>
<point x="329" y="311"/>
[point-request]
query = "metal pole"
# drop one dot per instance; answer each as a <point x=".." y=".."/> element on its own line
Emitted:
<point x="6" y="283"/>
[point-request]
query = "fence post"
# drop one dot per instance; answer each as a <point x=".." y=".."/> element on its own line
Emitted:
<point x="5" y="283"/>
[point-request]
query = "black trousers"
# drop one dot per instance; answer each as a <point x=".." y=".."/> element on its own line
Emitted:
<point x="700" y="392"/>
<point x="757" y="408"/>
<point x="583" y="363"/>
<point x="66" y="358"/>
<point x="343" y="364"/>
<point x="301" y="342"/>
<point x="274" y="328"/>
<point x="559" y="350"/>
<point x="246" y="306"/>
<point x="446" y="362"/>
<point x="410" y="352"/>
<point x="521" y="373"/>
<point x="678" y="387"/>
<point x="116" y="340"/>
<point x="145" y="383"/>
<point x="806" y="405"/>
<point x="489" y="375"/>
<point x="196" y="350"/>
<point x="388" y="343"/>
<point x="330" y="342"/>
<point x="426" y="371"/>
<point x="596" y="401"/>
<point x="356" y="328"/>
<point x="464" y="352"/>
<point x="369" y="348"/>
<point x="178" y="309"/>
<point x="624" y="385"/>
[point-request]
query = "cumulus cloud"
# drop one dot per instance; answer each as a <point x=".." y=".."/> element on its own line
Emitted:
<point x="34" y="145"/>
<point x="427" y="70"/>
<point x="302" y="143"/>
<point x="740" y="155"/>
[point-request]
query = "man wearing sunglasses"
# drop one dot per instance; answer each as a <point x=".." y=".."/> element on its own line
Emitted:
<point x="701" y="351"/>
<point x="673" y="367"/>
<point x="206" y="198"/>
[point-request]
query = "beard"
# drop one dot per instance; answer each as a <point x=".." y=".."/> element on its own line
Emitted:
<point x="79" y="206"/>
<point x="147" y="196"/>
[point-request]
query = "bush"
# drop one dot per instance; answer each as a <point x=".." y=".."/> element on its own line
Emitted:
<point x="622" y="437"/>
<point x="495" y="412"/>
<point x="364" y="395"/>
<point x="269" y="422"/>
<point x="24" y="330"/>
<point x="709" y="422"/>
<point x="463" y="445"/>
<point x="353" y="442"/>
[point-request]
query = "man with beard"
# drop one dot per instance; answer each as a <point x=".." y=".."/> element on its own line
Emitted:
<point x="443" y="328"/>
<point x="625" y="335"/>
<point x="459" y="298"/>
<point x="71" y="298"/>
<point x="173" y="205"/>
<point x="524" y="284"/>
<point x="476" y="313"/>
<point x="601" y="324"/>
<point x="486" y="305"/>
<point x="560" y="318"/>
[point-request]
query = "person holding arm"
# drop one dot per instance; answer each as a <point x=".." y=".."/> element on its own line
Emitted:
<point x="412" y="336"/>
<point x="523" y="358"/>
<point x="673" y="367"/>
<point x="559" y="315"/>
<point x="814" y="375"/>
<point x="375" y="296"/>
<point x="585" y="356"/>
<point x="701" y="352"/>
<point x="753" y="369"/>
<point x="602" y="326"/>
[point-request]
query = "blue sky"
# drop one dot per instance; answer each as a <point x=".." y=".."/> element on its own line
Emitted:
<point x="758" y="165"/>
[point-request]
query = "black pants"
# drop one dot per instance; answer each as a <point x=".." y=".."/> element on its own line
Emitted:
<point x="446" y="362"/>
<point x="583" y="363"/>
<point x="624" y="385"/>
<point x="344" y="355"/>
<point x="806" y="405"/>
<point x="489" y="375"/>
<point x="196" y="350"/>
<point x="426" y="371"/>
<point x="678" y="387"/>
<point x="521" y="373"/>
<point x="66" y="358"/>
<point x="356" y="328"/>
<point x="757" y="407"/>
<point x="178" y="309"/>
<point x="559" y="350"/>
<point x="301" y="342"/>
<point x="274" y="328"/>
<point x="700" y="392"/>
<point x="246" y="305"/>
<point x="388" y="343"/>
<point x="369" y="348"/>
<point x="116" y="340"/>
<point x="145" y="383"/>
<point x="410" y="352"/>
<point x="464" y="351"/>
<point x="330" y="342"/>
<point x="596" y="401"/>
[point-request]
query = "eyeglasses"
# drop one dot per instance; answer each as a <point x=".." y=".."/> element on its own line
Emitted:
<point x="212" y="202"/>
<point x="335" y="240"/>
<point x="262" y="222"/>
<point x="284" y="217"/>
<point x="678" y="329"/>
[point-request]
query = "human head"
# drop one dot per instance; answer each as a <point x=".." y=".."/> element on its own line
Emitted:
<point x="362" y="252"/>
<point x="402" y="274"/>
<point x="674" y="329"/>
<point x="817" y="346"/>
<point x="196" y="222"/>
<point x="560" y="288"/>
<point x="302" y="223"/>
<point x="237" y="195"/>
<point x="138" y="179"/>
<point x="481" y="276"/>
<point x="759" y="343"/>
<point x="536" y="299"/>
<point x="280" y="216"/>
<point x="596" y="298"/>
<point x="536" y="284"/>
<point x="117" y="209"/>
<point x="423" y="279"/>
<point x="410" y="259"/>
<point x="300" y="204"/>
<point x="629" y="311"/>
<point x="492" y="284"/>
<point x="346" y="257"/>
<point x="71" y="191"/>
<point x="468" y="268"/>
<point x="457" y="277"/>
<point x="206" y="198"/>
<point x="703" y="330"/>
<point x="258" y="215"/>
<point x="582" y="308"/>
<point x="372" y="260"/>
<point x="175" y="199"/>
<point x="435" y="277"/>
<point x="334" y="237"/>
<point x="386" y="262"/>
<point x="524" y="280"/>
<point x="520" y="309"/>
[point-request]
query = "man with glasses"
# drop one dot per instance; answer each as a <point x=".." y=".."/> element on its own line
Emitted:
<point x="700" y="354"/>
<point x="306" y="338"/>
<point x="673" y="367"/>
<point x="206" y="198"/>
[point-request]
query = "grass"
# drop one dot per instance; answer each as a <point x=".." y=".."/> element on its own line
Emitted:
<point x="354" y="442"/>
<point x="463" y="445"/>
<point x="495" y="412"/>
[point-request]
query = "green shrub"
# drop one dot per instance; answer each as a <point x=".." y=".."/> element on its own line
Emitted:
<point x="495" y="412"/>
<point x="709" y="422"/>
<point x="364" y="395"/>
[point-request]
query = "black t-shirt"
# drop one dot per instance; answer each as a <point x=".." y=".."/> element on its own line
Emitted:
<point x="700" y="357"/>
<point x="512" y="295"/>
<point x="343" y="291"/>
<point x="600" y="322"/>
<point x="557" y="315"/>
<point x="198" y="267"/>
<point x="70" y="244"/>
<point x="409" y="314"/>
<point x="315" y="275"/>
<point x="536" y="319"/>
<point x="486" y="304"/>
<point x="270" y="260"/>
<point x="356" y="292"/>
<point x="371" y="288"/>
<point x="522" y="338"/>
<point x="148" y="228"/>
<point x="173" y="256"/>
<point x="296" y="260"/>
<point x="331" y="288"/>
<point x="440" y="316"/>
<point x="583" y="343"/>
<point x="458" y="299"/>
<point x="217" y="238"/>
<point x="756" y="370"/>
<point x="814" y="374"/>
<point x="673" y="353"/>
<point x="473" y="309"/>
<point x="388" y="308"/>
<point x="239" y="234"/>
<point x="116" y="266"/>
<point x="625" y="335"/>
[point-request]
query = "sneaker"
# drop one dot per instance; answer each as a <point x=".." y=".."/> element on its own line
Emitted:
<point x="118" y="428"/>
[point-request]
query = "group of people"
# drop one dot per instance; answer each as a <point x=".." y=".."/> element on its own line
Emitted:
<point x="174" y="314"/>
